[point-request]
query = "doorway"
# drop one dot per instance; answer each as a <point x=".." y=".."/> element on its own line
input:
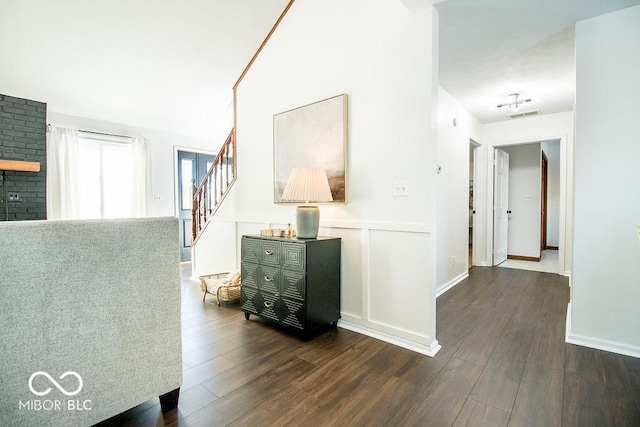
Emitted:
<point x="501" y="210"/>
<point x="473" y="163"/>
<point x="534" y="208"/>
<point x="191" y="166"/>
<point x="544" y="177"/>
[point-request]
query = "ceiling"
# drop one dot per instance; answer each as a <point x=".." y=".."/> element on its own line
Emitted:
<point x="171" y="65"/>
<point x="166" y="65"/>
<point x="492" y="48"/>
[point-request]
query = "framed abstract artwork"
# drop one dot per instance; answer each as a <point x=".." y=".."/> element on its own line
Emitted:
<point x="312" y="136"/>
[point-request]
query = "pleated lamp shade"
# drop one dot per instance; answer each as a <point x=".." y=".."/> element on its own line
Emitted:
<point x="307" y="185"/>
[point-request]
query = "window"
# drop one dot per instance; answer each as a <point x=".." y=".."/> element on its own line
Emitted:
<point x="187" y="185"/>
<point x="105" y="176"/>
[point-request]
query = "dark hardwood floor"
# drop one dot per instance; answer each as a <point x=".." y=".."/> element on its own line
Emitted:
<point x="503" y="362"/>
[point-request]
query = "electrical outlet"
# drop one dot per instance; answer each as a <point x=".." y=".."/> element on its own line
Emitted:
<point x="453" y="260"/>
<point x="400" y="188"/>
<point x="15" y="197"/>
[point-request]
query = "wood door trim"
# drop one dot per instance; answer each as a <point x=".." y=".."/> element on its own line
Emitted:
<point x="523" y="258"/>
<point x="544" y="181"/>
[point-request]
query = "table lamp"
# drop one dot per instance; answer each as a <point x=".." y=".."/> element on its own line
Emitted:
<point x="307" y="185"/>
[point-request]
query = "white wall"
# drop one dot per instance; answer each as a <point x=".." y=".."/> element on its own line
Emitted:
<point x="383" y="56"/>
<point x="453" y="189"/>
<point x="524" y="200"/>
<point x="552" y="151"/>
<point x="606" y="274"/>
<point x="535" y="129"/>
<point x="162" y="146"/>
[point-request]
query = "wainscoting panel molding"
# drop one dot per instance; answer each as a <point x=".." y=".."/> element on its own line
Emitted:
<point x="384" y="271"/>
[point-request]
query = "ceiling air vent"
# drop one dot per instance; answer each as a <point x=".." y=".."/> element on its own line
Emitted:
<point x="524" y="114"/>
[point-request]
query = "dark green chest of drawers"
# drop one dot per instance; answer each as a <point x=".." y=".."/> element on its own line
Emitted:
<point x="294" y="282"/>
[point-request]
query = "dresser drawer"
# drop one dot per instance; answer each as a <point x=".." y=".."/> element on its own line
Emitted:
<point x="261" y="252"/>
<point x="268" y="279"/>
<point x="293" y="256"/>
<point x="270" y="252"/>
<point x="269" y="306"/>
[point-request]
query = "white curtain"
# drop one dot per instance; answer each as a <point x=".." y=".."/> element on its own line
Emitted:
<point x="88" y="178"/>
<point x="140" y="177"/>
<point x="63" y="200"/>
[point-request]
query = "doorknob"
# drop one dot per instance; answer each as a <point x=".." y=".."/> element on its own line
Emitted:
<point x="508" y="212"/>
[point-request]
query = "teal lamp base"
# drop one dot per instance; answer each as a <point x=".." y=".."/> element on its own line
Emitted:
<point x="307" y="222"/>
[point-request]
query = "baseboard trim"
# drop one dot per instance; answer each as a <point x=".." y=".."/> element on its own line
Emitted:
<point x="429" y="350"/>
<point x="444" y="288"/>
<point x="598" y="343"/>
<point x="524" y="258"/>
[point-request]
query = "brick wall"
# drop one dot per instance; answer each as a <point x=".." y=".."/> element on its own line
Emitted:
<point x="23" y="137"/>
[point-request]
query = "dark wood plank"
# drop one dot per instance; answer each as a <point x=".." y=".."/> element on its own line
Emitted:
<point x="539" y="400"/>
<point x="267" y="390"/>
<point x="479" y="345"/>
<point x="340" y="370"/>
<point x="441" y="402"/>
<point x="622" y="375"/>
<point x="585" y="391"/>
<point x="344" y="402"/>
<point x="247" y="371"/>
<point x="395" y="396"/>
<point x="498" y="384"/>
<point x="547" y="347"/>
<point x="194" y="399"/>
<point x="325" y="347"/>
<point x="195" y="376"/>
<point x="476" y="414"/>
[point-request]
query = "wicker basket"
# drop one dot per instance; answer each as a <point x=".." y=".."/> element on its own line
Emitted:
<point x="222" y="291"/>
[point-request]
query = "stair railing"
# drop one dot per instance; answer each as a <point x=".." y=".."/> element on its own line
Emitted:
<point x="214" y="187"/>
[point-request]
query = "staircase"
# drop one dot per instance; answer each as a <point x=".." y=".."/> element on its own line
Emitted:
<point x="214" y="187"/>
<point x="219" y="179"/>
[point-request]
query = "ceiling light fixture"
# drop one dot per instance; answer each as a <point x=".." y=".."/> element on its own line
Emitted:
<point x="515" y="102"/>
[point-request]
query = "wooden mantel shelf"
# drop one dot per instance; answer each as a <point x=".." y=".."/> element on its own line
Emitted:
<point x="18" y="165"/>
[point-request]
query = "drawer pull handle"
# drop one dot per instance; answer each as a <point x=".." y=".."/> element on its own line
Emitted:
<point x="269" y="253"/>
<point x="269" y="279"/>
<point x="268" y="304"/>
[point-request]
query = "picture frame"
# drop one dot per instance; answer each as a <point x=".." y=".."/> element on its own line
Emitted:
<point x="312" y="136"/>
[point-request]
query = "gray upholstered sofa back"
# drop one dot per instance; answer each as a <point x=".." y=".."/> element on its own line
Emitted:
<point x="98" y="298"/>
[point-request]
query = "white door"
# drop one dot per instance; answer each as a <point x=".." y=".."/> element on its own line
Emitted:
<point x="500" y="205"/>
